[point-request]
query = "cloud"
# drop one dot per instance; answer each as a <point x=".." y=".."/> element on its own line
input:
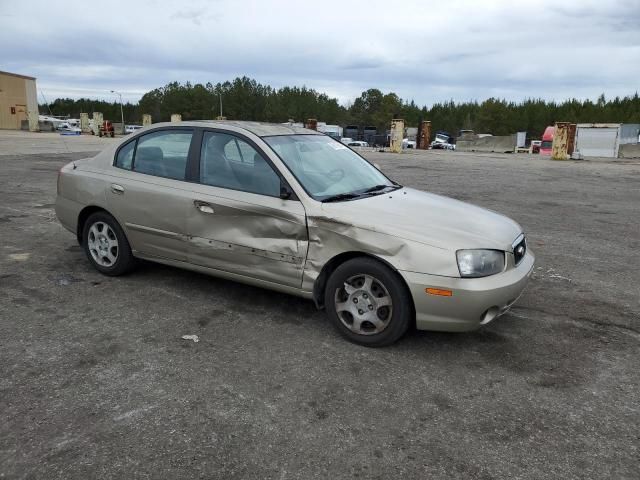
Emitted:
<point x="194" y="15"/>
<point x="362" y="64"/>
<point x="425" y="51"/>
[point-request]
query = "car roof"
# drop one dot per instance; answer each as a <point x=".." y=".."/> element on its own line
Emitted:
<point x="261" y="129"/>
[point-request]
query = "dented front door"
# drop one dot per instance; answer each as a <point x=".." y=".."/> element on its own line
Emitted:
<point x="253" y="235"/>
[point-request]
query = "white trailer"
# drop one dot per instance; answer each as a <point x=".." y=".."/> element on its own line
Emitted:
<point x="604" y="139"/>
<point x="334" y="131"/>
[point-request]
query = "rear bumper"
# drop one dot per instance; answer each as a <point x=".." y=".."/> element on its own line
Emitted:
<point x="67" y="212"/>
<point x="474" y="301"/>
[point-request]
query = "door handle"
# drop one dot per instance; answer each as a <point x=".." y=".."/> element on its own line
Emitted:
<point x="204" y="207"/>
<point x="115" y="188"/>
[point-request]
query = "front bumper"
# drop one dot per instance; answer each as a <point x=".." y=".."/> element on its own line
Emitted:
<point x="474" y="301"/>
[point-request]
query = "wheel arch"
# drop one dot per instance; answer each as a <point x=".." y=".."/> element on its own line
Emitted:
<point x="84" y="214"/>
<point x="329" y="267"/>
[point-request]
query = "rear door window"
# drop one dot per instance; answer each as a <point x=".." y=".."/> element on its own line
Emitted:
<point x="125" y="156"/>
<point x="163" y="153"/>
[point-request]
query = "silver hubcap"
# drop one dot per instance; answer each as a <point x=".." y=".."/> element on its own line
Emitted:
<point x="363" y="305"/>
<point x="103" y="244"/>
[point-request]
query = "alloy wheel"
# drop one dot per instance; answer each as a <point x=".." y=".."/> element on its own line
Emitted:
<point x="103" y="244"/>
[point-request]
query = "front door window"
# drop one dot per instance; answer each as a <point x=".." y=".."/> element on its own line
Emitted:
<point x="229" y="162"/>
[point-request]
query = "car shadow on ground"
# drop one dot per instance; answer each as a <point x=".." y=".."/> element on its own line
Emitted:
<point x="288" y="309"/>
<point x="509" y="343"/>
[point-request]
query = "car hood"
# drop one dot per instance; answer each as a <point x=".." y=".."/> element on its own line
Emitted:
<point x="427" y="218"/>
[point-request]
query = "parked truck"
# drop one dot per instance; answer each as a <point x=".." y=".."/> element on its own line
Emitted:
<point x="547" y="140"/>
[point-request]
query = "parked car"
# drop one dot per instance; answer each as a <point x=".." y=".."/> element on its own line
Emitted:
<point x="296" y="211"/>
<point x="406" y="143"/>
<point x="443" y="141"/>
<point x="346" y="140"/>
<point x="442" y="146"/>
<point x="131" y="129"/>
<point x="67" y="127"/>
<point x="535" y="146"/>
<point x="358" y="143"/>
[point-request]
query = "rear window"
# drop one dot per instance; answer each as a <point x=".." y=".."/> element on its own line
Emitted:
<point x="546" y="144"/>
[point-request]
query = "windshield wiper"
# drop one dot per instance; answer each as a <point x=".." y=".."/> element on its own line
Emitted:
<point x="378" y="188"/>
<point x="341" y="196"/>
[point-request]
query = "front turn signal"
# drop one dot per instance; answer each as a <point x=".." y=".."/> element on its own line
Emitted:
<point x="439" y="291"/>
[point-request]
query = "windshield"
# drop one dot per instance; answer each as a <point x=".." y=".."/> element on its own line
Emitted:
<point x="327" y="169"/>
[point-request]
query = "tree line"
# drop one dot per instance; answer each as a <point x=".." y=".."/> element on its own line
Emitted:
<point x="246" y="99"/>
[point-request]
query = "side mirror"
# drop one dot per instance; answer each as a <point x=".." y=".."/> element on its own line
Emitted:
<point x="285" y="193"/>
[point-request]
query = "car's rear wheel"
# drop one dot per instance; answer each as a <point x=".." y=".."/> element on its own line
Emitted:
<point x="106" y="245"/>
<point x="368" y="302"/>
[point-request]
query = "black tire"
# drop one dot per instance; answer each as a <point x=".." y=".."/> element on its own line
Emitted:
<point x="399" y="316"/>
<point x="124" y="260"/>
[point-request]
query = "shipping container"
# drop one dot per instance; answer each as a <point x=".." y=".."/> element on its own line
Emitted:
<point x="604" y="139"/>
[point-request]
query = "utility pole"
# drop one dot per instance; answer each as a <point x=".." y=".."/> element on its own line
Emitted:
<point x="220" y="117"/>
<point x="121" y="111"/>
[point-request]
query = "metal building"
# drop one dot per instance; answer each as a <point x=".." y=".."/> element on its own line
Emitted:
<point x="18" y="101"/>
<point x="604" y="139"/>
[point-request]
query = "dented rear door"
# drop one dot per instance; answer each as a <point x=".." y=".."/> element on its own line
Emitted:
<point x="254" y="235"/>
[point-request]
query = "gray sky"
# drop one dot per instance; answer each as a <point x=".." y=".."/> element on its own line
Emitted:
<point x="427" y="51"/>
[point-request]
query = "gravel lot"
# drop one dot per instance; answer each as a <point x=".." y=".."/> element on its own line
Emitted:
<point x="96" y="383"/>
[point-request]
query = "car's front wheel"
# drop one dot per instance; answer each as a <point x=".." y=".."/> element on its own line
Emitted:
<point x="368" y="302"/>
<point x="106" y="245"/>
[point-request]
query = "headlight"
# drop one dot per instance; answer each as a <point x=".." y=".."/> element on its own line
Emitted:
<point x="480" y="263"/>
